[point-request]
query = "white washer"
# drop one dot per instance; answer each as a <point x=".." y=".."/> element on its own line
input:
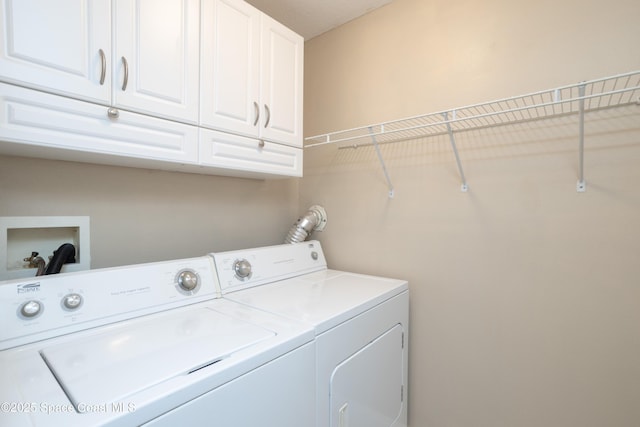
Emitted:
<point x="148" y="345"/>
<point x="361" y="324"/>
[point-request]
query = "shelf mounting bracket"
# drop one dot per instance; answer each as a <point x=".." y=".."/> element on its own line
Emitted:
<point x="463" y="187"/>
<point x="581" y="186"/>
<point x="384" y="167"/>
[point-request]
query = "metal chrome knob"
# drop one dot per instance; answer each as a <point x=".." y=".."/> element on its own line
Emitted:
<point x="188" y="280"/>
<point x="242" y="268"/>
<point x="31" y="308"/>
<point x="72" y="301"/>
<point x="114" y="113"/>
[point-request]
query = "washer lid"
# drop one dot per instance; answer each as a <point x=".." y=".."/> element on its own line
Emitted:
<point x="111" y="365"/>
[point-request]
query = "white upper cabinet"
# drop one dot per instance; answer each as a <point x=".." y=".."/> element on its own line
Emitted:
<point x="64" y="47"/>
<point x="156" y="57"/>
<point x="211" y="86"/>
<point x="61" y="46"/>
<point x="251" y="73"/>
<point x="247" y="155"/>
<point x="82" y="131"/>
<point x="230" y="77"/>
<point x="281" y="83"/>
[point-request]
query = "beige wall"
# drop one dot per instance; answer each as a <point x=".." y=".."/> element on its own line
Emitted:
<point x="525" y="294"/>
<point x="140" y="215"/>
<point x="525" y="297"/>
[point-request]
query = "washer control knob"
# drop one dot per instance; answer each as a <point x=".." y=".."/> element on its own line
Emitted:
<point x="187" y="280"/>
<point x="242" y="268"/>
<point x="72" y="301"/>
<point x="31" y="308"/>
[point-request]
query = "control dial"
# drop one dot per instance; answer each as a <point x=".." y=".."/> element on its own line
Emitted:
<point x="31" y="309"/>
<point x="188" y="280"/>
<point x="72" y="301"/>
<point x="242" y="268"/>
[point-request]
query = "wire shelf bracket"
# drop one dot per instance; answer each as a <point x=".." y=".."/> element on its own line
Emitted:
<point x="384" y="167"/>
<point x="581" y="185"/>
<point x="463" y="187"/>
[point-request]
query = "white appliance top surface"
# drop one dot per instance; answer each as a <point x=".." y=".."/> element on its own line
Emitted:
<point x="324" y="299"/>
<point x="129" y="372"/>
<point x="111" y="365"/>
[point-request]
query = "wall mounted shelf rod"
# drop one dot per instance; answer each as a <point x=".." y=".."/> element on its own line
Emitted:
<point x="576" y="99"/>
<point x="608" y="92"/>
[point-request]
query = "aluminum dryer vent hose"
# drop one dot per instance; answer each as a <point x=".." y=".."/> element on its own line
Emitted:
<point x="314" y="220"/>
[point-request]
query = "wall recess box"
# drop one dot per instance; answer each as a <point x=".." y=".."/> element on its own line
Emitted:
<point x="22" y="235"/>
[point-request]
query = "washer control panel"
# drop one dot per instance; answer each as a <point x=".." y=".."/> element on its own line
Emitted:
<point x="253" y="267"/>
<point x="47" y="306"/>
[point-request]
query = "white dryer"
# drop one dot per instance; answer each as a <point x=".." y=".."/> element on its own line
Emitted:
<point x="148" y="345"/>
<point x="361" y="325"/>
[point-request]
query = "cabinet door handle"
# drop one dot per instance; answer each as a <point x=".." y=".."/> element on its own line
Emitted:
<point x="103" y="70"/>
<point x="126" y="73"/>
<point x="114" y="113"/>
<point x="268" y="113"/>
<point x="257" y="112"/>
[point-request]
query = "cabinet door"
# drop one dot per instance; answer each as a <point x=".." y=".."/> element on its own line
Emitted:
<point x="36" y="122"/>
<point x="281" y="86"/>
<point x="61" y="46"/>
<point x="156" y="57"/>
<point x="249" y="156"/>
<point x="230" y="66"/>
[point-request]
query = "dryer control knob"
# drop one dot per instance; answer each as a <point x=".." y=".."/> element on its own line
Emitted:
<point x="187" y="280"/>
<point x="242" y="268"/>
<point x="31" y="308"/>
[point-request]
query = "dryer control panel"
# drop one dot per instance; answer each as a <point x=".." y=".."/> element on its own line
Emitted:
<point x="47" y="306"/>
<point x="247" y="268"/>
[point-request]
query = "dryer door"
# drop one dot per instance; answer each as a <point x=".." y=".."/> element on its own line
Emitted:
<point x="367" y="388"/>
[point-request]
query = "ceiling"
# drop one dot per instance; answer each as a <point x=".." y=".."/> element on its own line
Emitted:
<point x="310" y="18"/>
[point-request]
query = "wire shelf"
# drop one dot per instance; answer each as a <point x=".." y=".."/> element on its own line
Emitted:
<point x="608" y="92"/>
